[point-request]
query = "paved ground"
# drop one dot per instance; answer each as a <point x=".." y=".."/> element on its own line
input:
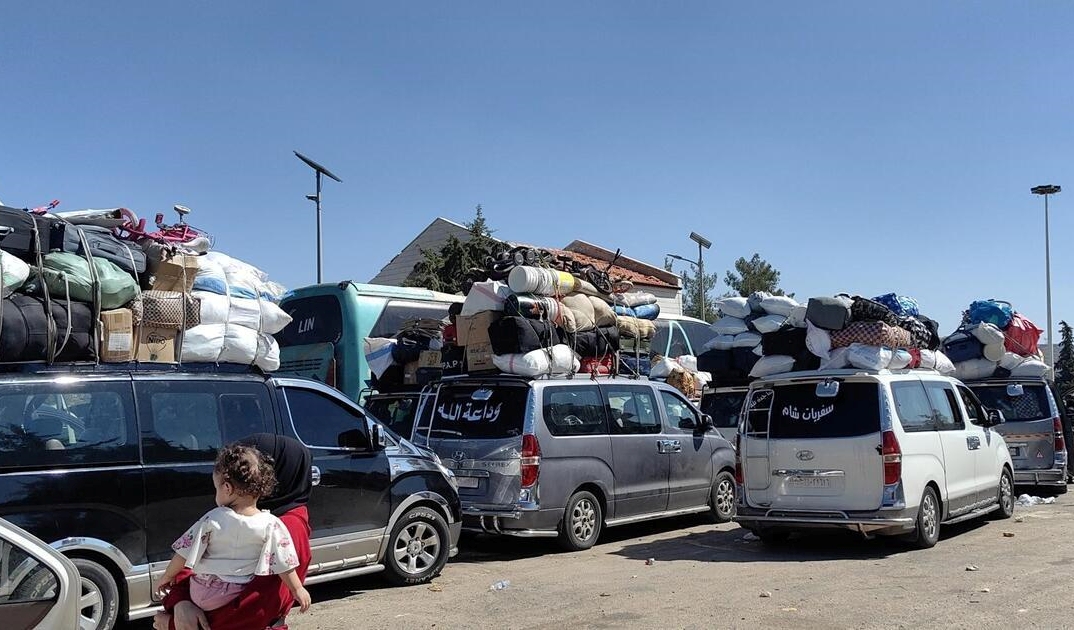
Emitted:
<point x="707" y="576"/>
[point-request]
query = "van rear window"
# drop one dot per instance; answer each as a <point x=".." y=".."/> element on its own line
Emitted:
<point x="724" y="407"/>
<point x="478" y="412"/>
<point x="797" y="411"/>
<point x="1033" y="404"/>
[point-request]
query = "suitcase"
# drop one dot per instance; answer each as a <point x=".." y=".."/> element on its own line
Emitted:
<point x="517" y="335"/>
<point x="595" y="343"/>
<point x="870" y="334"/>
<point x="920" y="334"/>
<point x="787" y="341"/>
<point x="866" y="310"/>
<point x="716" y="362"/>
<point x="629" y="365"/>
<point x="17" y="233"/>
<point x="102" y="243"/>
<point x="829" y="313"/>
<point x="961" y="347"/>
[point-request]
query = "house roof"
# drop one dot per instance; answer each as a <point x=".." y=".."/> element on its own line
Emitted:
<point x="616" y="270"/>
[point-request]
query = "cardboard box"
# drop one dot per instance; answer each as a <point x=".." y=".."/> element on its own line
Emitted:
<point x="176" y="274"/>
<point x="117" y="336"/>
<point x="474" y="329"/>
<point x="430" y="359"/>
<point x="479" y="357"/>
<point x="157" y="345"/>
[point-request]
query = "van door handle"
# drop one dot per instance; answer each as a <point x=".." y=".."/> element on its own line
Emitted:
<point x="973" y="442"/>
<point x="661" y="446"/>
<point x="674" y="446"/>
<point x="315" y="475"/>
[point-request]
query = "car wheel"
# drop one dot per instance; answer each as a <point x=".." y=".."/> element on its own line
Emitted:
<point x="98" y="606"/>
<point x="927" y="531"/>
<point x="418" y="547"/>
<point x="723" y="498"/>
<point x="1005" y="494"/>
<point x="582" y="521"/>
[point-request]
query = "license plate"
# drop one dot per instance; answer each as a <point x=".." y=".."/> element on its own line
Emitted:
<point x="809" y="482"/>
<point x="467" y="482"/>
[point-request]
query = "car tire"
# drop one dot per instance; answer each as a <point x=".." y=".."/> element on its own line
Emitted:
<point x="99" y="598"/>
<point x="582" y="522"/>
<point x="927" y="528"/>
<point x="418" y="547"/>
<point x="1005" y="496"/>
<point x="722" y="499"/>
<point x="1059" y="489"/>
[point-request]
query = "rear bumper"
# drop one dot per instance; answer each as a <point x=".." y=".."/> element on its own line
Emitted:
<point x="886" y="521"/>
<point x="1049" y="477"/>
<point x="524" y="522"/>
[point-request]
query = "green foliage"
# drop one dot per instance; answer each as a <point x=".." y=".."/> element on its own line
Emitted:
<point x="1064" y="363"/>
<point x="750" y="276"/>
<point x="445" y="269"/>
<point x="691" y="302"/>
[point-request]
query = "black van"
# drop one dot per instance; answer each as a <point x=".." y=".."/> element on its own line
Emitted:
<point x="110" y="464"/>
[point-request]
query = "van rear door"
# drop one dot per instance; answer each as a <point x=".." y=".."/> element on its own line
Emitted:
<point x="805" y="451"/>
<point x="1029" y="426"/>
<point x="476" y="429"/>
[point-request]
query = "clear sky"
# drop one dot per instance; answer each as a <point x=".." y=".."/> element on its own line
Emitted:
<point x="859" y="147"/>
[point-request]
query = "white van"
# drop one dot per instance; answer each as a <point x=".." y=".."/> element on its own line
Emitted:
<point x="887" y="452"/>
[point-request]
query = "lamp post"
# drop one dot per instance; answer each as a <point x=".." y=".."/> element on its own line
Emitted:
<point x="702" y="244"/>
<point x="1047" y="190"/>
<point x="316" y="198"/>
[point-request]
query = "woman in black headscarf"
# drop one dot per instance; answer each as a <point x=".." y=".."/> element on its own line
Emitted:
<point x="264" y="603"/>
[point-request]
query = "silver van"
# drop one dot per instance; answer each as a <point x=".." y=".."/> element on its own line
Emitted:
<point x="724" y="405"/>
<point x="1034" y="429"/>
<point x="567" y="457"/>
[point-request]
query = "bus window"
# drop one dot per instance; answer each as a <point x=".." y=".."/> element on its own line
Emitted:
<point x="315" y="319"/>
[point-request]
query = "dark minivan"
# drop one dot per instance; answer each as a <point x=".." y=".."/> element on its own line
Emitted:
<point x="110" y="464"/>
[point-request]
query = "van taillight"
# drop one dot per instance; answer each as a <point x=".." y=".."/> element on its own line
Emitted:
<point x="531" y="460"/>
<point x="330" y="374"/>
<point x="1060" y="443"/>
<point x="738" y="458"/>
<point x="892" y="459"/>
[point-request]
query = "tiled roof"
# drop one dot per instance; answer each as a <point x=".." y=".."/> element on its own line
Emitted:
<point x="616" y="271"/>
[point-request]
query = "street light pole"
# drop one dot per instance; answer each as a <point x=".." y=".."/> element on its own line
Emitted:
<point x="702" y="243"/>
<point x="316" y="199"/>
<point x="1046" y="191"/>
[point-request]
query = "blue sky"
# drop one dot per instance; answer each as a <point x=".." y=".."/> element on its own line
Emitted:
<point x="858" y="147"/>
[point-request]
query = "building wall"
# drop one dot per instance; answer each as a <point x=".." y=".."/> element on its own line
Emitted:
<point x="669" y="299"/>
<point x="433" y="237"/>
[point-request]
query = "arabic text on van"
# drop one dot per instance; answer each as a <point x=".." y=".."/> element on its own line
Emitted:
<point x="809" y="414"/>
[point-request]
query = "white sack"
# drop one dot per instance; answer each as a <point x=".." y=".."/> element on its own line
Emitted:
<point x="975" y="369"/>
<point x="688" y="362"/>
<point x="1010" y="361"/>
<point x="485" y="296"/>
<point x="818" y="340"/>
<point x="1031" y="369"/>
<point x="772" y="364"/>
<point x="634" y="298"/>
<point x="837" y="360"/>
<point x="768" y="323"/>
<point x="15" y="272"/>
<point x="900" y="358"/>
<point x="943" y="364"/>
<point x="797" y="318"/>
<point x="730" y="326"/>
<point x="720" y="342"/>
<point x="746" y="340"/>
<point x="220" y="343"/>
<point x="758" y="350"/>
<point x="378" y="354"/>
<point x="779" y="305"/>
<point x="994" y="351"/>
<point x="866" y="357"/>
<point x="734" y="307"/>
<point x="563" y="361"/>
<point x="988" y="334"/>
<point x="755" y="300"/>
<point x="703" y="379"/>
<point x="259" y="315"/>
<point x="268" y="353"/>
<point x="663" y="368"/>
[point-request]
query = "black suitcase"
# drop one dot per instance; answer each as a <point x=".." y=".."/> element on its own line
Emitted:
<point x="17" y="233"/>
<point x="102" y="244"/>
<point x="828" y="313"/>
<point x="786" y="341"/>
<point x="518" y="335"/>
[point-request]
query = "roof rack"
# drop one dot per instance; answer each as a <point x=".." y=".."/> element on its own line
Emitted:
<point x="134" y="366"/>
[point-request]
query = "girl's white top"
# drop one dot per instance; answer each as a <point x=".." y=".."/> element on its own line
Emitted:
<point x="235" y="548"/>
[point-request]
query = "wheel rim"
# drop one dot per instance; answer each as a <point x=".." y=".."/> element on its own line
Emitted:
<point x="90" y="606"/>
<point x="928" y="516"/>
<point x="583" y="520"/>
<point x="417" y="547"/>
<point x="1006" y="493"/>
<point x="725" y="497"/>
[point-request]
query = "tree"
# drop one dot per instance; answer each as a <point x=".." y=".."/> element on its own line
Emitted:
<point x="750" y="276"/>
<point x="1064" y="365"/>
<point x="445" y="269"/>
<point x="691" y="303"/>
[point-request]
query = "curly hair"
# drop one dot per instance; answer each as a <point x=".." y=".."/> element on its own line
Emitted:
<point x="248" y="469"/>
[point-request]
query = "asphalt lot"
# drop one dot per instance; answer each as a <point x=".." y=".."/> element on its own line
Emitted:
<point x="706" y="576"/>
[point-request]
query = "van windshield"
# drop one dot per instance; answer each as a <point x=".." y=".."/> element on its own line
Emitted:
<point x="478" y="412"/>
<point x="1033" y="404"/>
<point x="797" y="411"/>
<point x="724" y="407"/>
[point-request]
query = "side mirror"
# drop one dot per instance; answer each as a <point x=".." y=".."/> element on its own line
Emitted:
<point x="995" y="417"/>
<point x="706" y="424"/>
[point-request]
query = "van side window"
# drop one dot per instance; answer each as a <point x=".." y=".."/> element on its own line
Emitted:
<point x="47" y="424"/>
<point x="633" y="410"/>
<point x="679" y="413"/>
<point x="974" y="412"/>
<point x="188" y="421"/>
<point x="322" y="422"/>
<point x="574" y="411"/>
<point x="945" y="407"/>
<point x="912" y="406"/>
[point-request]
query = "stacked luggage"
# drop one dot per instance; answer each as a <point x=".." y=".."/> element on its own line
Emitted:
<point x="764" y="335"/>
<point x="994" y="340"/>
<point x="90" y="286"/>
